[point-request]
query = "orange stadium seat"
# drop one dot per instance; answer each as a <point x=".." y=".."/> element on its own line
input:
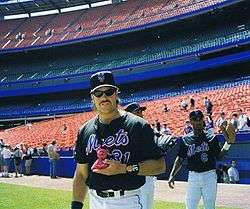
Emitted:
<point x="94" y="21"/>
<point x="224" y="99"/>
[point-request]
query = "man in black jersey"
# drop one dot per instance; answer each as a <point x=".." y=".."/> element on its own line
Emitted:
<point x="164" y="142"/>
<point x="201" y="148"/>
<point x="132" y="153"/>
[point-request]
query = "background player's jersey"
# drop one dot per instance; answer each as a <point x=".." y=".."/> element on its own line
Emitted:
<point x="128" y="139"/>
<point x="201" y="151"/>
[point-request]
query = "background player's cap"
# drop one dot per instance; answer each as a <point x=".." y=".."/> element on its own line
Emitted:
<point x="196" y="115"/>
<point x="134" y="107"/>
<point x="101" y="79"/>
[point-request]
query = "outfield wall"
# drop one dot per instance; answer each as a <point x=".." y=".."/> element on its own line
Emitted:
<point x="240" y="152"/>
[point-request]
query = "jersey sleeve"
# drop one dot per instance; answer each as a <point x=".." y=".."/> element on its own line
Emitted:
<point x="183" y="148"/>
<point x="152" y="151"/>
<point x="80" y="149"/>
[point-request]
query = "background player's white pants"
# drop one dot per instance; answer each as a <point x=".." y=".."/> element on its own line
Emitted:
<point x="147" y="191"/>
<point x="201" y="184"/>
<point x="128" y="201"/>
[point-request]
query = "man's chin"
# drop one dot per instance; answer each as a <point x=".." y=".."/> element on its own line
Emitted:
<point x="106" y="110"/>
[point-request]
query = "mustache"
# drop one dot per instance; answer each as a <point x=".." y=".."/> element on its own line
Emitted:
<point x="104" y="101"/>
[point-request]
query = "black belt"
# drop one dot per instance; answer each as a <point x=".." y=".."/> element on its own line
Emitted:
<point x="106" y="194"/>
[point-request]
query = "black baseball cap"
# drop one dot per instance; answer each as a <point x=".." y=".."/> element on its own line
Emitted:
<point x="101" y="79"/>
<point x="134" y="107"/>
<point x="196" y="115"/>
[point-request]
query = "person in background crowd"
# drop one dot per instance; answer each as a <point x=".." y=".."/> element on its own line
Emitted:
<point x="18" y="155"/>
<point x="235" y="121"/>
<point x="219" y="172"/>
<point x="183" y="105"/>
<point x="6" y="160"/>
<point x="165" y="109"/>
<point x="165" y="130"/>
<point x="157" y="129"/>
<point x="188" y="127"/>
<point x="1" y="157"/>
<point x="36" y="153"/>
<point x="44" y="149"/>
<point x="225" y="174"/>
<point x="209" y="123"/>
<point x="53" y="157"/>
<point x="23" y="148"/>
<point x="192" y="102"/>
<point x="242" y="121"/>
<point x="233" y="173"/>
<point x="221" y="121"/>
<point x="208" y="105"/>
<point x="28" y="161"/>
<point x="64" y="128"/>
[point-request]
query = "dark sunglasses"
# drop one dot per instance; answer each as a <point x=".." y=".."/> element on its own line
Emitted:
<point x="108" y="92"/>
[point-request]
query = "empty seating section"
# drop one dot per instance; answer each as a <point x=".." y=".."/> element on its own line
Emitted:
<point x="34" y="25"/>
<point x="79" y="103"/>
<point x="46" y="131"/>
<point x="224" y="99"/>
<point x="7" y="27"/>
<point x="93" y="21"/>
<point x="58" y="26"/>
<point x="90" y="22"/>
<point x="173" y="44"/>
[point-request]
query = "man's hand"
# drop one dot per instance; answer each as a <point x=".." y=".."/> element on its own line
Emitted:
<point x="171" y="182"/>
<point x="229" y="133"/>
<point x="114" y="168"/>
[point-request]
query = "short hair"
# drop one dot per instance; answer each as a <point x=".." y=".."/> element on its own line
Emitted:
<point x="235" y="114"/>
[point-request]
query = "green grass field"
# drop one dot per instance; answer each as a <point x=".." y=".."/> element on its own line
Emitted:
<point x="22" y="197"/>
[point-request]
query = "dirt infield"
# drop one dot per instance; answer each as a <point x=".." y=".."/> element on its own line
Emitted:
<point x="229" y="195"/>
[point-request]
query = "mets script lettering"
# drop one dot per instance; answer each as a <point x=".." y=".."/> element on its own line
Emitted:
<point x="120" y="138"/>
<point x="192" y="149"/>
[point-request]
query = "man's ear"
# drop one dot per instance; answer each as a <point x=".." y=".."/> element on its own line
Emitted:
<point x="93" y="107"/>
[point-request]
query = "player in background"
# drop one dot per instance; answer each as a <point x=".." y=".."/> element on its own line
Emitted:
<point x="201" y="148"/>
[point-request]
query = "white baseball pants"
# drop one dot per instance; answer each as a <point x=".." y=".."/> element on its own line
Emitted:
<point x="131" y="200"/>
<point x="147" y="191"/>
<point x="201" y="185"/>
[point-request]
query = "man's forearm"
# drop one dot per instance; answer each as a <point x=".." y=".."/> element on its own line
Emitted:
<point x="177" y="166"/>
<point x="152" y="167"/>
<point x="79" y="188"/>
<point x="224" y="150"/>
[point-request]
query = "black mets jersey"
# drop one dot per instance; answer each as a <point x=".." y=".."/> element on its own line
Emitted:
<point x="201" y="151"/>
<point x="128" y="139"/>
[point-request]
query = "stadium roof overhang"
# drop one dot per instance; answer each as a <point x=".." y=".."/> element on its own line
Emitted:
<point x="27" y="7"/>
